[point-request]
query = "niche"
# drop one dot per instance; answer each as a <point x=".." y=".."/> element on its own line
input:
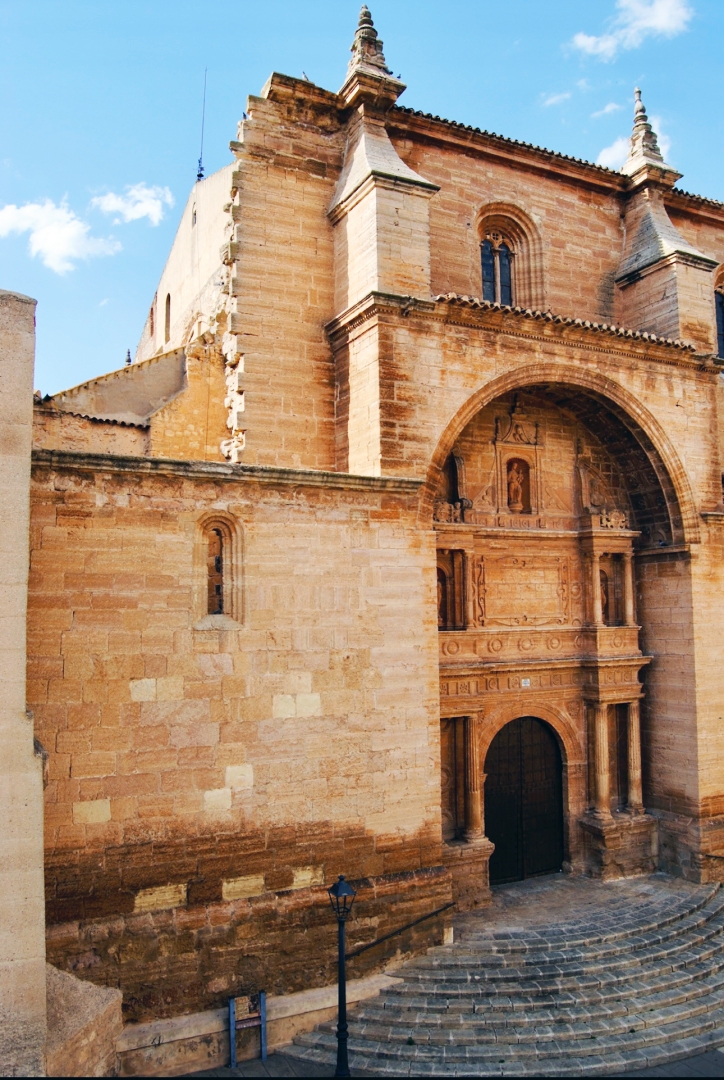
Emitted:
<point x="450" y="590"/>
<point x="517" y="478"/>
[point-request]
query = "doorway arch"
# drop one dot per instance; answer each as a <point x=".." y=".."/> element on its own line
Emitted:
<point x="524" y="801"/>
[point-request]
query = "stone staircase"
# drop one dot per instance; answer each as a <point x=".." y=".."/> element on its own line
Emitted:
<point x="561" y="978"/>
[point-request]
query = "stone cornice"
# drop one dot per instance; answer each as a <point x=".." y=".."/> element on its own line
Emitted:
<point x="222" y="471"/>
<point x="408" y="122"/>
<point x="466" y="311"/>
<point x="404" y="121"/>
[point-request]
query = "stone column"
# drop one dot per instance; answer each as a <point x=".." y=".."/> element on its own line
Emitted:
<point x="22" y="907"/>
<point x="473" y="793"/>
<point x="469" y="590"/>
<point x="635" y="796"/>
<point x="628" y="595"/>
<point x="603" y="784"/>
<point x="596" y="586"/>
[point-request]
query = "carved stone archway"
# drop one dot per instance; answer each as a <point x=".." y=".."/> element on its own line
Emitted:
<point x="657" y="452"/>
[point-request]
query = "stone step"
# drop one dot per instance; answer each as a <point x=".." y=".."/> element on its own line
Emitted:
<point x="483" y="997"/>
<point x="625" y="922"/>
<point x="473" y="1030"/>
<point x="610" y="1064"/>
<point x="628" y="986"/>
<point x="375" y="1050"/>
<point x="704" y="943"/>
<point x="499" y="954"/>
<point x="527" y="1013"/>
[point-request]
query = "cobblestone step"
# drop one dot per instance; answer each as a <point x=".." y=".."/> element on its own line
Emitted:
<point x="623" y="992"/>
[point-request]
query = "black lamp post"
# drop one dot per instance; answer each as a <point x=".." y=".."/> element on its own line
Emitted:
<point x="341" y="896"/>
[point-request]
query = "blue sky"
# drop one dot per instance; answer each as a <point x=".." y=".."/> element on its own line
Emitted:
<point x="101" y="117"/>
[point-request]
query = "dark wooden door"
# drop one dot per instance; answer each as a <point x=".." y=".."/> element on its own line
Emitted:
<point x="524" y="801"/>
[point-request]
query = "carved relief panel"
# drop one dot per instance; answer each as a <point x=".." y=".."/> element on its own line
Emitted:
<point x="531" y="591"/>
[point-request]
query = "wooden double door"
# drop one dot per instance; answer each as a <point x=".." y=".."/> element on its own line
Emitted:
<point x="524" y="801"/>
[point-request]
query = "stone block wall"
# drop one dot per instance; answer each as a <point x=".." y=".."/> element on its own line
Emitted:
<point x="205" y="784"/>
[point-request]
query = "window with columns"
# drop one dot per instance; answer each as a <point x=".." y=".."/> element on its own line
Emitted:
<point x="497" y="255"/>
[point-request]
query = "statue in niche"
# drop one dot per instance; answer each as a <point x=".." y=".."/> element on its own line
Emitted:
<point x="603" y="577"/>
<point x="516" y="482"/>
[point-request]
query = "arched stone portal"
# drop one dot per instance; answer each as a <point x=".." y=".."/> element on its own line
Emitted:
<point x="547" y="571"/>
<point x="524" y="801"/>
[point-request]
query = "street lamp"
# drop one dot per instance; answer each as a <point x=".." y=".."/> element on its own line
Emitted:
<point x="341" y="897"/>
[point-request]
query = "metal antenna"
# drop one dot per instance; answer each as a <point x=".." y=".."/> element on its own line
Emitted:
<point x="200" y="173"/>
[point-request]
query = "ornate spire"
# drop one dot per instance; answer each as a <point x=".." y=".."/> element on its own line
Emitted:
<point x="366" y="48"/>
<point x="368" y="76"/>
<point x="643" y="145"/>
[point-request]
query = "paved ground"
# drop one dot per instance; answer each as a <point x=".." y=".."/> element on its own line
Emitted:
<point x="711" y="1064"/>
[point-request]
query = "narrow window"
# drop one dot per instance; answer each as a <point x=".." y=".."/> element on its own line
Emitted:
<point x="497" y="262"/>
<point x="215" y="573"/>
<point x="488" y="257"/>
<point x="151" y="321"/>
<point x="719" y="297"/>
<point x="506" y="288"/>
<point x="167" y="329"/>
<point x="193" y="216"/>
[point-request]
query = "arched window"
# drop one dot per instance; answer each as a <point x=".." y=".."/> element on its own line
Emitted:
<point x="511" y="251"/>
<point x="497" y="263"/>
<point x="215" y="573"/>
<point x="719" y="299"/>
<point x="167" y="326"/>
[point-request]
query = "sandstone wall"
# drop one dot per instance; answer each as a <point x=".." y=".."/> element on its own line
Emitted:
<point x="579" y="225"/>
<point x="282" y="282"/>
<point x="206" y="783"/>
<point x="55" y="430"/>
<point x="22" y="944"/>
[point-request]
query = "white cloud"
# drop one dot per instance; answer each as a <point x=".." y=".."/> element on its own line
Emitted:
<point x="57" y="235"/>
<point x="613" y="156"/>
<point x="612" y="107"/>
<point x="140" y="201"/>
<point x="555" y="99"/>
<point x="637" y="20"/>
<point x="103" y="302"/>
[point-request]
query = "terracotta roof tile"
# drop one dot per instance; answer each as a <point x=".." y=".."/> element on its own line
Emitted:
<point x="565" y="320"/>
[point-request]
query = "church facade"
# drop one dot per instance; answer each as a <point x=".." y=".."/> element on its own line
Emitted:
<point x="397" y="551"/>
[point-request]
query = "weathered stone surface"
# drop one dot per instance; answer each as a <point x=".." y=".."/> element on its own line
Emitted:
<point x="22" y="946"/>
<point x="84" y="1024"/>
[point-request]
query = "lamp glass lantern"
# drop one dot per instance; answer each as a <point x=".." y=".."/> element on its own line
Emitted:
<point x="341" y="897"/>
